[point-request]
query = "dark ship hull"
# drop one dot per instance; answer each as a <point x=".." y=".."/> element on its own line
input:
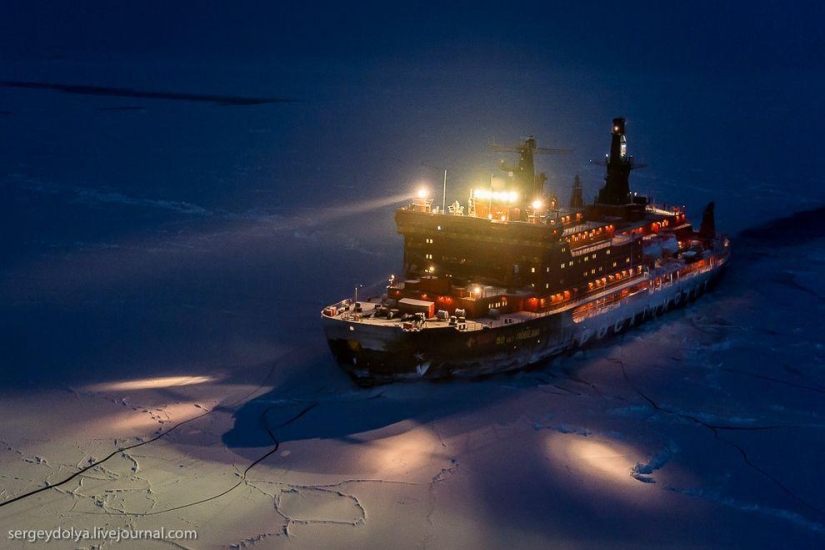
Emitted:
<point x="374" y="354"/>
<point x="490" y="318"/>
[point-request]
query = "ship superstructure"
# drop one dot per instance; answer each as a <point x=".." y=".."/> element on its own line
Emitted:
<point x="511" y="277"/>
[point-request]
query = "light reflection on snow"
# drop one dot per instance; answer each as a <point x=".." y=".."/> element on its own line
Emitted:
<point x="402" y="453"/>
<point x="160" y="418"/>
<point x="151" y="383"/>
<point x="607" y="463"/>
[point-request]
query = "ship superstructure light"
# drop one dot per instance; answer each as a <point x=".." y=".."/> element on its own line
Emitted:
<point x="503" y="196"/>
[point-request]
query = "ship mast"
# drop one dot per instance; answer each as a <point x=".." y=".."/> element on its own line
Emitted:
<point x="617" y="181"/>
<point x="528" y="185"/>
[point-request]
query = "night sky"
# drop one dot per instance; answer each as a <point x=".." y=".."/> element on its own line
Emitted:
<point x="697" y="37"/>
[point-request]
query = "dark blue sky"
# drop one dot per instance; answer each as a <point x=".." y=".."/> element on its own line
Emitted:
<point x="762" y="35"/>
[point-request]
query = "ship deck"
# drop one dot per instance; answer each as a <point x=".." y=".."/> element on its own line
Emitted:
<point x="656" y="279"/>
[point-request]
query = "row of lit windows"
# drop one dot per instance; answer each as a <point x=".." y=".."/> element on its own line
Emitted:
<point x="609" y="279"/>
<point x="458" y="234"/>
<point x="532" y="269"/>
<point x="566" y="219"/>
<point x="592" y="233"/>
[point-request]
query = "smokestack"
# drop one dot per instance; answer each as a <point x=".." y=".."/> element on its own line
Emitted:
<point x="708" y="228"/>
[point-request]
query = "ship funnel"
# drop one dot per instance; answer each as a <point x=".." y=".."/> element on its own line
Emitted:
<point x="708" y="227"/>
<point x="576" y="198"/>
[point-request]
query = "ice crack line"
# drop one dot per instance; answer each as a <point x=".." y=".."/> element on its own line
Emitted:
<point x="715" y="430"/>
<point x="441" y="476"/>
<point x="242" y="475"/>
<point x="119" y="450"/>
<point x="776" y="380"/>
<point x="116" y="452"/>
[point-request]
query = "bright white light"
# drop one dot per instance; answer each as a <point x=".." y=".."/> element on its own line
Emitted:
<point x="503" y="196"/>
<point x="423" y="193"/>
<point x="537" y="204"/>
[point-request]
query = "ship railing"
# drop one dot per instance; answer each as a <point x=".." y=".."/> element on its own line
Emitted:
<point x="656" y="209"/>
<point x="589" y="249"/>
<point x="609" y="297"/>
<point x="621" y="240"/>
<point x="471" y="326"/>
<point x="596" y="308"/>
<point x="606" y="293"/>
<point x="578" y="228"/>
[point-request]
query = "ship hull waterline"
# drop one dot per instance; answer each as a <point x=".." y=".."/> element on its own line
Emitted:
<point x="374" y="354"/>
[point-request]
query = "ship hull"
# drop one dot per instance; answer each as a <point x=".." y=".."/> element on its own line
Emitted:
<point x="374" y="354"/>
